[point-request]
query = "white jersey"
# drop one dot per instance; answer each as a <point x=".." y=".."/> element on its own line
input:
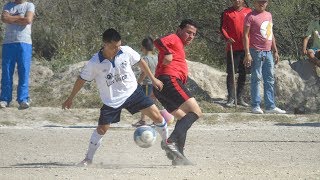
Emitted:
<point x="115" y="79"/>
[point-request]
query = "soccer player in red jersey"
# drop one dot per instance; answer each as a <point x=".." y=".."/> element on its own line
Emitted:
<point x="172" y="70"/>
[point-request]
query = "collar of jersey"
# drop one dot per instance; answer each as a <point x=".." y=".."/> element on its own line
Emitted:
<point x="102" y="58"/>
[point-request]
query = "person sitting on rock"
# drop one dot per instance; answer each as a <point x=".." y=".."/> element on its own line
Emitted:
<point x="313" y="32"/>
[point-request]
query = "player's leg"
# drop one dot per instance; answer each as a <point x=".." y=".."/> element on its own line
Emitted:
<point x="177" y="99"/>
<point x="108" y="115"/>
<point x="160" y="123"/>
<point x="311" y="53"/>
<point x="94" y="144"/>
<point x="187" y="114"/>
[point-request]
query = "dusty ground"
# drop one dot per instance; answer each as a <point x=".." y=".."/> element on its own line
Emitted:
<point x="46" y="143"/>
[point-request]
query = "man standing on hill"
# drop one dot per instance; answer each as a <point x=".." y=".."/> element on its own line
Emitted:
<point x="172" y="70"/>
<point x="232" y="30"/>
<point x="17" y="48"/>
<point x="259" y="42"/>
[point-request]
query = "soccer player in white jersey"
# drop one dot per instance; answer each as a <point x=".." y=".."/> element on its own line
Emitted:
<point x="111" y="68"/>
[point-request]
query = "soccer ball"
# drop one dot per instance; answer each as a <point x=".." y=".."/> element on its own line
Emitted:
<point x="144" y="136"/>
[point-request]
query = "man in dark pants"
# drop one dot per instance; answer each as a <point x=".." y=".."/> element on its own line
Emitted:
<point x="232" y="30"/>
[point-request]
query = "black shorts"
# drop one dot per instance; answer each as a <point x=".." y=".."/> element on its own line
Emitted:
<point x="173" y="94"/>
<point x="136" y="102"/>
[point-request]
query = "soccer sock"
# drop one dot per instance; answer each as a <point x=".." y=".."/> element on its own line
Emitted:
<point x="94" y="144"/>
<point x="182" y="126"/>
<point x="162" y="129"/>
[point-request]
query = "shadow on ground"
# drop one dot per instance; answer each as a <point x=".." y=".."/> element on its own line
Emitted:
<point x="315" y="124"/>
<point x="63" y="165"/>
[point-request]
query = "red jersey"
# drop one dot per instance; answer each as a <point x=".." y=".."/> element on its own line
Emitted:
<point x="171" y="44"/>
<point x="232" y="26"/>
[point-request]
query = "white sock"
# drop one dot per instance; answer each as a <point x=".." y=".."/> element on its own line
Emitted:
<point x="94" y="144"/>
<point x="162" y="129"/>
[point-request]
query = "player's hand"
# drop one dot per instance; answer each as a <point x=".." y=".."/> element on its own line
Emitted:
<point x="247" y="60"/>
<point x="157" y="84"/>
<point x="67" y="104"/>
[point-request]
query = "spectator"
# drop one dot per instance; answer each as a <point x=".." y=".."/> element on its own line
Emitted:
<point x="16" y="49"/>
<point x="313" y="33"/>
<point x="232" y="30"/>
<point x="259" y="42"/>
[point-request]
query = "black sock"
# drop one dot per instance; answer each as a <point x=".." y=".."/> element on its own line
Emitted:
<point x="182" y="126"/>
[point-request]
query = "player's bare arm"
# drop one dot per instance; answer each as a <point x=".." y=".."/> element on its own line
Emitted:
<point x="76" y="88"/>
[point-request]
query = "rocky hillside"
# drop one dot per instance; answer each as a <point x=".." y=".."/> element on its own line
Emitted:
<point x="297" y="86"/>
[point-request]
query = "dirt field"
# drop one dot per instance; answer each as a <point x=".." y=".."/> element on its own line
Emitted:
<point x="47" y="143"/>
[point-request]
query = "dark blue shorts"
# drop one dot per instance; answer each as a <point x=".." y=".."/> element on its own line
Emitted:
<point x="147" y="89"/>
<point x="136" y="102"/>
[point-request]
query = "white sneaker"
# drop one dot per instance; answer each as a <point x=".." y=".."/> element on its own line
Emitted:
<point x="24" y="105"/>
<point x="276" y="110"/>
<point x="3" y="104"/>
<point x="84" y="163"/>
<point x="257" y="110"/>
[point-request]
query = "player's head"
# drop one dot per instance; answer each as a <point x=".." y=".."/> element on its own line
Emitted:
<point x="147" y="45"/>
<point x="187" y="31"/>
<point x="111" y="35"/>
<point x="112" y="41"/>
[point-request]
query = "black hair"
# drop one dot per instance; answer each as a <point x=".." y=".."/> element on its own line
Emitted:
<point x="185" y="22"/>
<point x="147" y="43"/>
<point x="111" y="35"/>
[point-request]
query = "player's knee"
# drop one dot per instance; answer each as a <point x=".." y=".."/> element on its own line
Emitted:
<point x="102" y="129"/>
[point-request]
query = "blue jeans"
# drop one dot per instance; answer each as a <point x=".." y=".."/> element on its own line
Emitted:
<point x="12" y="54"/>
<point x="262" y="68"/>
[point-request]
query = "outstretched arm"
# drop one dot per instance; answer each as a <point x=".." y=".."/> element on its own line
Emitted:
<point x="76" y="88"/>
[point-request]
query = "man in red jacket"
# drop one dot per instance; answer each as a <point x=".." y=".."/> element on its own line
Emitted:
<point x="232" y="30"/>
